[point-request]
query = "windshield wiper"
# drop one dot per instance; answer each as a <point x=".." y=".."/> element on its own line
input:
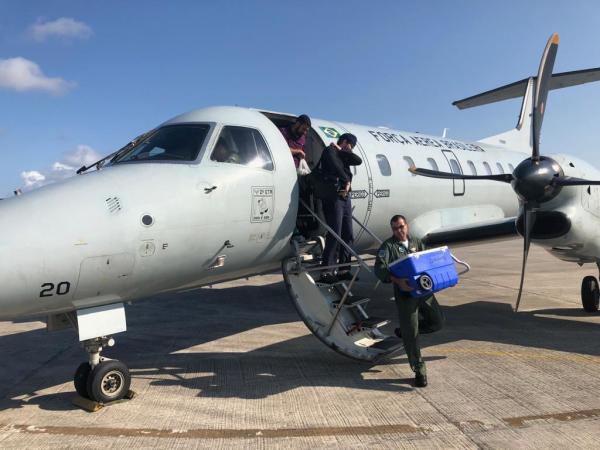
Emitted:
<point x="98" y="164"/>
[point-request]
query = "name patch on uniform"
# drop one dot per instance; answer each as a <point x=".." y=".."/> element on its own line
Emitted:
<point x="262" y="204"/>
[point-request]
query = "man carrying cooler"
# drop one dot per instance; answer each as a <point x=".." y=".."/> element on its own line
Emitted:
<point x="432" y="319"/>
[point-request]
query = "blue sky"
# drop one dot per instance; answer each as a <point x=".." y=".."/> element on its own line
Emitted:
<point x="100" y="73"/>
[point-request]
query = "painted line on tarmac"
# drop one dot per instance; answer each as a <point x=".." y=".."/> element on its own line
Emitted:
<point x="512" y="422"/>
<point x="518" y="422"/>
<point x="219" y="434"/>
<point x="528" y="355"/>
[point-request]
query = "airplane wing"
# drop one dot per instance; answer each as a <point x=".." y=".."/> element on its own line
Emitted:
<point x="517" y="89"/>
<point x="499" y="230"/>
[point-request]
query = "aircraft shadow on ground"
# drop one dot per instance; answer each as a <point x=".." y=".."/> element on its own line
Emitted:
<point x="163" y="331"/>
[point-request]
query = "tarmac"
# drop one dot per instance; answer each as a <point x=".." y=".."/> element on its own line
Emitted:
<point x="233" y="366"/>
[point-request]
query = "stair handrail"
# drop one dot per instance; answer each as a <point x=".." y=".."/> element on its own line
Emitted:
<point x="337" y="237"/>
<point x="341" y="303"/>
<point x="364" y="227"/>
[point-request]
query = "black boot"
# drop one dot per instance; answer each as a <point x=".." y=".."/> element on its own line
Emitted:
<point x="420" y="380"/>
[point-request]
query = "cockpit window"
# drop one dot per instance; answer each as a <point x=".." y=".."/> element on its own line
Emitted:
<point x="169" y="143"/>
<point x="241" y="145"/>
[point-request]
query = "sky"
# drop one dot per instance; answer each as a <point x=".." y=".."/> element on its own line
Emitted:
<point x="79" y="79"/>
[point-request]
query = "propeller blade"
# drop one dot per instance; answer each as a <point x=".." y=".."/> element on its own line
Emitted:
<point x="528" y="222"/>
<point x="505" y="177"/>
<point x="541" y="92"/>
<point x="573" y="181"/>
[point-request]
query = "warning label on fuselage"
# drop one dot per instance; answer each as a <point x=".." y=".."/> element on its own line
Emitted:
<point x="262" y="204"/>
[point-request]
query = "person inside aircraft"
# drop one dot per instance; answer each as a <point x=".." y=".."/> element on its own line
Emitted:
<point x="335" y="170"/>
<point x="295" y="136"/>
<point x="223" y="153"/>
<point x="418" y="315"/>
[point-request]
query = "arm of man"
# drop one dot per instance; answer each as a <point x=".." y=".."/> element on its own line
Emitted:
<point x="382" y="269"/>
<point x="298" y="152"/>
<point x="350" y="159"/>
<point x="333" y="164"/>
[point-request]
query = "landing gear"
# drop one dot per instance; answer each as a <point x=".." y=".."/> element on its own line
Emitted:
<point x="590" y="294"/>
<point x="109" y="381"/>
<point x="101" y="380"/>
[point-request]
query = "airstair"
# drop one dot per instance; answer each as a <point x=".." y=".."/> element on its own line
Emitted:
<point x="331" y="311"/>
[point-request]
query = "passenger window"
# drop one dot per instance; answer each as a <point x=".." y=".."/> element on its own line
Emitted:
<point x="433" y="164"/>
<point x="410" y="163"/>
<point x="500" y="168"/>
<point x="384" y="165"/>
<point x="455" y="166"/>
<point x="511" y="167"/>
<point x="245" y="146"/>
<point x="472" y="167"/>
<point x="488" y="169"/>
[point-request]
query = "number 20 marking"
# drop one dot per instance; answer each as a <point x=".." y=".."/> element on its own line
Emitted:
<point x="48" y="289"/>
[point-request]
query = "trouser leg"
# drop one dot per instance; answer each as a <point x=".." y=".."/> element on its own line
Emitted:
<point x="432" y="316"/>
<point x="333" y="217"/>
<point x="408" y="313"/>
<point x="346" y="232"/>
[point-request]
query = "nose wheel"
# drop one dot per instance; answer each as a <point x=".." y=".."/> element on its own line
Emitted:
<point x="101" y="380"/>
<point x="590" y="294"/>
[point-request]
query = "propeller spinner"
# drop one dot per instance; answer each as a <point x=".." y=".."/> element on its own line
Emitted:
<point x="537" y="179"/>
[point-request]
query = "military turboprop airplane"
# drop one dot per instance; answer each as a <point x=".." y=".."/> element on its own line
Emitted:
<point x="212" y="195"/>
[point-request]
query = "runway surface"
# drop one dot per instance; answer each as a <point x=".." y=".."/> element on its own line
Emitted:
<point x="233" y="366"/>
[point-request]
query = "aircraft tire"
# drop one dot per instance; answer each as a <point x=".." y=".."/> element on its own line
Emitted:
<point x="109" y="381"/>
<point x="80" y="379"/>
<point x="590" y="294"/>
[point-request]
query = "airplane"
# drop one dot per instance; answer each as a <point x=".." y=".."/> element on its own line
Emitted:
<point x="212" y="195"/>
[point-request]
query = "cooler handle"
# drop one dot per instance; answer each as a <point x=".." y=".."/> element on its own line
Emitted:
<point x="462" y="263"/>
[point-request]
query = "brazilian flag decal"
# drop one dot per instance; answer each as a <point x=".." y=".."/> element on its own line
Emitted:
<point x="330" y="132"/>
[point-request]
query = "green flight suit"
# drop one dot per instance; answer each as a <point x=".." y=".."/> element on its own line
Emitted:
<point x="409" y="308"/>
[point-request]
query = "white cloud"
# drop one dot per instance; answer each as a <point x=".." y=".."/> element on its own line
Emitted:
<point x="32" y="178"/>
<point x="59" y="170"/>
<point x="65" y="27"/>
<point x="22" y="75"/>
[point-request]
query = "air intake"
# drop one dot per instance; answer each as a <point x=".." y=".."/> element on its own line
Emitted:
<point x="113" y="204"/>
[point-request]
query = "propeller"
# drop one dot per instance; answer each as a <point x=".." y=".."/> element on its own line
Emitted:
<point x="537" y="179"/>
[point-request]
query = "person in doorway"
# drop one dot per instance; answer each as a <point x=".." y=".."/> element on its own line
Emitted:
<point x="295" y="136"/>
<point x="335" y="169"/>
<point x="409" y="308"/>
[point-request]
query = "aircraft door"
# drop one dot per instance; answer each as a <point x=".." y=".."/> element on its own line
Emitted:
<point x="238" y="182"/>
<point x="458" y="186"/>
<point x="362" y="183"/>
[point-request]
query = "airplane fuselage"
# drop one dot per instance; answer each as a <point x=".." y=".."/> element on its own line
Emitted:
<point x="133" y="229"/>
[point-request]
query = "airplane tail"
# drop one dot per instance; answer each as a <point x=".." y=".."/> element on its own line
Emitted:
<point x="520" y="138"/>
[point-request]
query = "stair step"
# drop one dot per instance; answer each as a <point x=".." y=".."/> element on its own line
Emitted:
<point x="389" y="344"/>
<point x="372" y="322"/>
<point x="352" y="302"/>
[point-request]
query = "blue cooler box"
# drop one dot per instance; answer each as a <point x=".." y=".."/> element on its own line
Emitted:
<point x="428" y="271"/>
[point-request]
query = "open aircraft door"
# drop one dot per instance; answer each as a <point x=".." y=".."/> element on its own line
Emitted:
<point x="458" y="186"/>
<point x="362" y="183"/>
